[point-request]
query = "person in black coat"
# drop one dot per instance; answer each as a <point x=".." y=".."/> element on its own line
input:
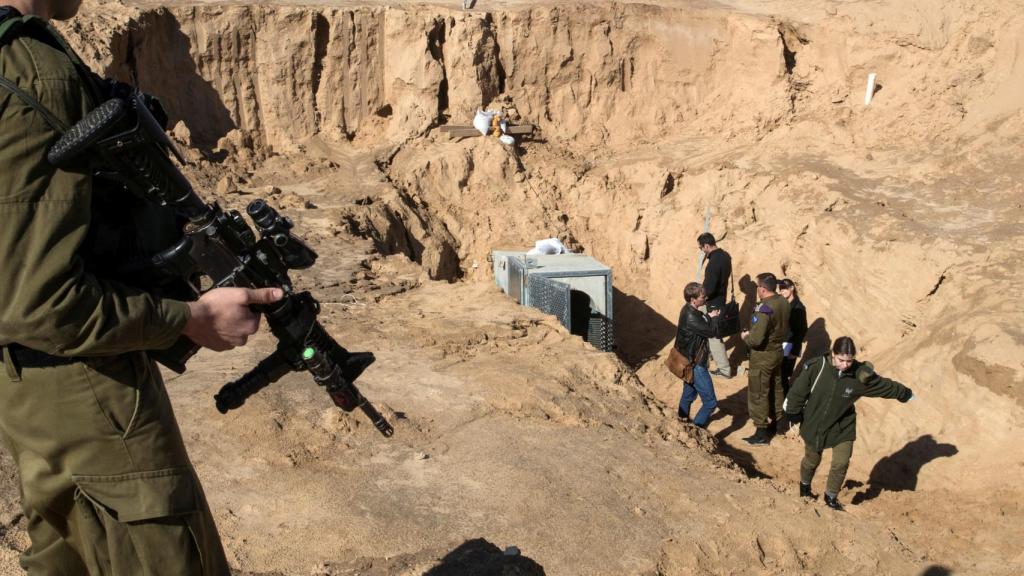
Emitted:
<point x="717" y="272"/>
<point x="694" y="329"/>
<point x="797" y="331"/>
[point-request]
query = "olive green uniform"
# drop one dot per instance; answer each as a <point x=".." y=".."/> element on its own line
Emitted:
<point x="822" y="399"/>
<point x="768" y="330"/>
<point x="107" y="487"/>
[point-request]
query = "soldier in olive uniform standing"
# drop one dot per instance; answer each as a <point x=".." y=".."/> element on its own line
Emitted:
<point x="106" y="484"/>
<point x="822" y="400"/>
<point x="768" y="330"/>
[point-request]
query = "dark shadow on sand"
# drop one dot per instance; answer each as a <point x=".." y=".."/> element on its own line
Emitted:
<point x="735" y="348"/>
<point x="478" y="557"/>
<point x="899" y="471"/>
<point x="640" y="331"/>
<point x="735" y="407"/>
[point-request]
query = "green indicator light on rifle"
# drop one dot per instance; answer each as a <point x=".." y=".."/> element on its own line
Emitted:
<point x="308" y="353"/>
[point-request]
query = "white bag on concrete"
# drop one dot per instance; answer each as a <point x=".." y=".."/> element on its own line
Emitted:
<point x="548" y="246"/>
<point x="482" y="121"/>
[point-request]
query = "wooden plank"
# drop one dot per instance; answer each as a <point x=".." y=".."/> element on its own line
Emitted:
<point x="469" y="131"/>
<point x="461" y="131"/>
<point x="521" y="129"/>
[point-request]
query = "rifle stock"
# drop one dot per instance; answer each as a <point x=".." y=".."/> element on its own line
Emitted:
<point x="221" y="248"/>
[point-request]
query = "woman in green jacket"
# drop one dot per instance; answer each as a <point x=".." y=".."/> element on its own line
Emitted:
<point x="822" y="399"/>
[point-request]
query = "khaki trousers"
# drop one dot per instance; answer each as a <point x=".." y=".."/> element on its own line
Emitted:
<point x="841" y="454"/>
<point x="718" y="352"/>
<point x="106" y="485"/>
<point x="764" y="387"/>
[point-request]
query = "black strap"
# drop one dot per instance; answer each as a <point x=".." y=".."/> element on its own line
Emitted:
<point x="27" y="98"/>
<point x="7" y="13"/>
<point x="11" y="21"/>
<point x="29" y="358"/>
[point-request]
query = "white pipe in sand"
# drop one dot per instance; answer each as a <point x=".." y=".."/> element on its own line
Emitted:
<point x="870" y="90"/>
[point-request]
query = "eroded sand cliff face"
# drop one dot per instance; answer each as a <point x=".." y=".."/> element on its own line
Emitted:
<point x="901" y="223"/>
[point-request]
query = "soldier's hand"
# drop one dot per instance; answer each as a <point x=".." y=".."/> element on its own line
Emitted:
<point x="222" y="318"/>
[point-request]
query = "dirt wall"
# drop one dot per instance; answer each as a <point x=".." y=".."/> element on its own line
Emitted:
<point x="651" y="116"/>
<point x="900" y="222"/>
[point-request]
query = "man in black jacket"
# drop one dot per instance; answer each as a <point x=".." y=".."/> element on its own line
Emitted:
<point x="716" y="285"/>
<point x="694" y="329"/>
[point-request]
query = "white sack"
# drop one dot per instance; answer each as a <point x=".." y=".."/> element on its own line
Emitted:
<point x="482" y="121"/>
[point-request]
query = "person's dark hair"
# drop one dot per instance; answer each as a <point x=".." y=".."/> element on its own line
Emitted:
<point x="787" y="284"/>
<point x="692" y="290"/>
<point x="768" y="281"/>
<point x="706" y="239"/>
<point x="844" y="345"/>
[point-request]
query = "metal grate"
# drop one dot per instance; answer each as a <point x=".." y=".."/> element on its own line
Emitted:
<point x="554" y="297"/>
<point x="601" y="332"/>
<point x="550" y="296"/>
<point x="533" y="285"/>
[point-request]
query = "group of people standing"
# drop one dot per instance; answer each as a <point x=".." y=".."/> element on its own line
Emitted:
<point x="821" y="397"/>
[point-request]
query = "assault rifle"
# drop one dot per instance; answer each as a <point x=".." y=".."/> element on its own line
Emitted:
<point x="220" y="247"/>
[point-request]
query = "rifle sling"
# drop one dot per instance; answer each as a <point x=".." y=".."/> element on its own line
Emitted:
<point x="27" y="98"/>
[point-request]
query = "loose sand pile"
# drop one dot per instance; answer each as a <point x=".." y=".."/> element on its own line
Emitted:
<point x="900" y="221"/>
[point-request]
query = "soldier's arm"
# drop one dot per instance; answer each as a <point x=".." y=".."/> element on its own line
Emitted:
<point x="758" y="329"/>
<point x="48" y="301"/>
<point x="876" y="386"/>
<point x="800" y="389"/>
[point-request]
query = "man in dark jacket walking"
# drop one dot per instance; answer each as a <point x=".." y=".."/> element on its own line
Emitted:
<point x="695" y="328"/>
<point x="716" y="285"/>
<point x="822" y="399"/>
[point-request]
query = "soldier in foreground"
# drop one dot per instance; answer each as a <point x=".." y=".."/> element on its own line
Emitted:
<point x="821" y="400"/>
<point x="768" y="330"/>
<point x="107" y="486"/>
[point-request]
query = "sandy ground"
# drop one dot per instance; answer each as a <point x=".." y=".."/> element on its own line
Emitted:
<point x="900" y="221"/>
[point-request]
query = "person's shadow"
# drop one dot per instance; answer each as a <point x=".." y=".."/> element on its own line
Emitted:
<point x="748" y="289"/>
<point x="640" y="331"/>
<point x="478" y="557"/>
<point x="899" y="471"/>
<point x="818" y="342"/>
<point x="735" y="406"/>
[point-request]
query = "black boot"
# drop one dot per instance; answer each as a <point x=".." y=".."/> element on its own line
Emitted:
<point x="682" y="417"/>
<point x="805" y="491"/>
<point x="833" y="502"/>
<point x="759" y="438"/>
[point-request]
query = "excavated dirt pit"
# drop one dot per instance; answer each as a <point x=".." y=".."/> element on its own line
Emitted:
<point x="900" y="221"/>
